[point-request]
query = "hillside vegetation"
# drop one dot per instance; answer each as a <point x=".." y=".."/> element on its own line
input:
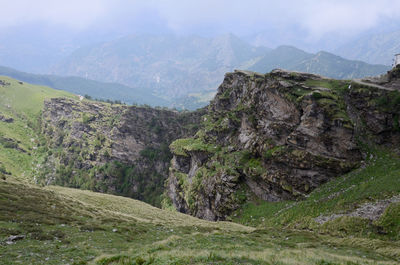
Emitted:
<point x="111" y="148"/>
<point x="334" y="208"/>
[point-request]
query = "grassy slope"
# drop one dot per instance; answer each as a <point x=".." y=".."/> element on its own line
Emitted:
<point x="379" y="179"/>
<point x="64" y="225"/>
<point x="23" y="103"/>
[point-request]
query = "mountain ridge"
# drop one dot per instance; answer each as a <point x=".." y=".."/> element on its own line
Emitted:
<point x="322" y="63"/>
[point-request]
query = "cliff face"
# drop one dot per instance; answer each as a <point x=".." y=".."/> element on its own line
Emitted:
<point x="276" y="136"/>
<point x="109" y="148"/>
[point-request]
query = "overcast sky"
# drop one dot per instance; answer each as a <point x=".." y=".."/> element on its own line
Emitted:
<point x="315" y="17"/>
<point x="312" y="25"/>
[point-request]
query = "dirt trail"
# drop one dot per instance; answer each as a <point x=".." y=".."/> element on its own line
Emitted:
<point x="359" y="81"/>
<point x="371" y="211"/>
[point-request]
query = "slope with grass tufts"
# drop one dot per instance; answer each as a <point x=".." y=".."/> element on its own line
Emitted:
<point x="57" y="225"/>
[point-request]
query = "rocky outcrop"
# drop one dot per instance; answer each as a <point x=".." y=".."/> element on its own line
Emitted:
<point x="111" y="148"/>
<point x="276" y="136"/>
<point x="6" y="119"/>
<point x="371" y="211"/>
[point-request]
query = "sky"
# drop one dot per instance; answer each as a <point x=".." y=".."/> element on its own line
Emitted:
<point x="58" y="27"/>
<point x="312" y="18"/>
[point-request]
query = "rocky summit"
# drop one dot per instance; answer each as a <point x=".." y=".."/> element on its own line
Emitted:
<point x="277" y="137"/>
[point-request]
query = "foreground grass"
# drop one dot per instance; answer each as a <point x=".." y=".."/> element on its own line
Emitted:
<point x="67" y="226"/>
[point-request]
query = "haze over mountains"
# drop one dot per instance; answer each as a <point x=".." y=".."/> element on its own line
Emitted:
<point x="171" y="66"/>
<point x="322" y="63"/>
<point x="186" y="70"/>
<point x="374" y="48"/>
<point x="171" y="70"/>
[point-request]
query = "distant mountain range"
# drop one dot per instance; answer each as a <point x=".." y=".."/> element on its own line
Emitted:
<point x="322" y="63"/>
<point x="174" y="67"/>
<point x="171" y="66"/>
<point x="375" y="48"/>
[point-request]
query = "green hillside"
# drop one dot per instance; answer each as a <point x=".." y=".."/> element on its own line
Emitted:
<point x="20" y="106"/>
<point x="84" y="86"/>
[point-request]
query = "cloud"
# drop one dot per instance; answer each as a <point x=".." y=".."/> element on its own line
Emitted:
<point x="324" y="17"/>
<point x="315" y="17"/>
<point x="76" y="14"/>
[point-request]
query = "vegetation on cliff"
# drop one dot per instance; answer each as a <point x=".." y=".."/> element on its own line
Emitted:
<point x="111" y="148"/>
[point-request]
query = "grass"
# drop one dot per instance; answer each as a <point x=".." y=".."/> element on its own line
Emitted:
<point x="22" y="102"/>
<point x="182" y="146"/>
<point x="331" y="100"/>
<point x="326" y="83"/>
<point x="63" y="225"/>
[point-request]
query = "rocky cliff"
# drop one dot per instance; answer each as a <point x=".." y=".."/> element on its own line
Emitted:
<point x="111" y="148"/>
<point x="275" y="137"/>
